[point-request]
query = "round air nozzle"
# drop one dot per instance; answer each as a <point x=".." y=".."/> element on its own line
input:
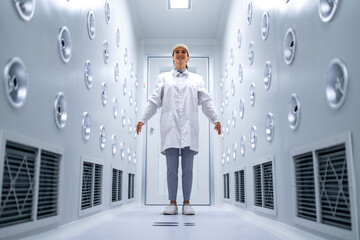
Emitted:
<point x="88" y="74"/>
<point x="107" y="12"/>
<point x="234" y="118"/>
<point x="294" y="112"/>
<point x="253" y="138"/>
<point x="241" y="73"/>
<point x="106" y="51"/>
<point x="124" y="87"/>
<point x="102" y="137"/>
<point x="232" y="56"/>
<point x="136" y="82"/>
<point x="25" y="8"/>
<point x="60" y="110"/>
<point x="222" y="107"/>
<point x="122" y="150"/>
<point x="327" y="9"/>
<point x="239" y="38"/>
<point x="114" y="144"/>
<point x="118" y="37"/>
<point x="91" y="25"/>
<point x="232" y="87"/>
<point x="221" y="82"/>
<point x="252" y="94"/>
<point x="249" y="13"/>
<point x="86" y="126"/>
<point x="242" y="145"/>
<point x="64" y="42"/>
<point x="234" y="150"/>
<point x="104" y="94"/>
<point x="123" y="121"/>
<point x="241" y="108"/>
<point x="228" y="154"/>
<point x="223" y="158"/>
<point x="251" y="52"/>
<point x="115" y="108"/>
<point x="130" y="97"/>
<point x="267" y="75"/>
<point x="131" y="70"/>
<point x="134" y="157"/>
<point x="227" y="98"/>
<point x="336" y="83"/>
<point x="16" y="82"/>
<point x="125" y="56"/>
<point x="265" y="24"/>
<point x="289" y="46"/>
<point x="135" y="106"/>
<point x="226" y="71"/>
<point x="227" y="126"/>
<point x="269" y="127"/>
<point x="129" y="154"/>
<point x="116" y="72"/>
<point x="130" y="125"/>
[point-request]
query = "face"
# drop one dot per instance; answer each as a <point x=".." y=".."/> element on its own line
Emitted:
<point x="180" y="56"/>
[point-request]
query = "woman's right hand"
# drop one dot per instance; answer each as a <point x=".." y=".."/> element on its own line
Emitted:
<point x="138" y="127"/>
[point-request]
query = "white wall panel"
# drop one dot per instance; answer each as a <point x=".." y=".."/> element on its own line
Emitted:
<point x="317" y="43"/>
<point x="35" y="42"/>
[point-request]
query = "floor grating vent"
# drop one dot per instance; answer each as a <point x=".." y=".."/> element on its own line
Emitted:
<point x="305" y="186"/>
<point x="17" y="195"/>
<point x="165" y="224"/>
<point x="48" y="185"/>
<point x="334" y="186"/>
<point x="116" y="185"/>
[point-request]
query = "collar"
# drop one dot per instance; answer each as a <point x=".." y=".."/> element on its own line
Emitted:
<point x="182" y="73"/>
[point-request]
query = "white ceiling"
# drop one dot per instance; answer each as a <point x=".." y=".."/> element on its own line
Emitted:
<point x="152" y="20"/>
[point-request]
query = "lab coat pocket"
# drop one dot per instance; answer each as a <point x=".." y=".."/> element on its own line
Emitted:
<point x="166" y="121"/>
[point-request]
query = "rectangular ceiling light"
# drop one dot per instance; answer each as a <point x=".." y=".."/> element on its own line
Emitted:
<point x="179" y="4"/>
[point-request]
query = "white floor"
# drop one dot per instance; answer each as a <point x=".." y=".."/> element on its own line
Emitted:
<point x="147" y="222"/>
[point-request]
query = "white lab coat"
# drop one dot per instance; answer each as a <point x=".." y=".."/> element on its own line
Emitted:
<point x="179" y="96"/>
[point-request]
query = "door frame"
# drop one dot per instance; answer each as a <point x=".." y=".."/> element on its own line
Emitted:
<point x="211" y="161"/>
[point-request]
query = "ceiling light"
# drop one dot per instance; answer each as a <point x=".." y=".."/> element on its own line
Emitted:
<point x="179" y="4"/>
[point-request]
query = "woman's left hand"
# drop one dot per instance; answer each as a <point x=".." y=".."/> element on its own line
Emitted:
<point x="218" y="127"/>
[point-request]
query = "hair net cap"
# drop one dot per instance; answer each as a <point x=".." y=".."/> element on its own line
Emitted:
<point x="180" y="45"/>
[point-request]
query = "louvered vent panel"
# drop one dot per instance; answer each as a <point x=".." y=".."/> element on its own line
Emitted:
<point x="114" y="185"/>
<point x="98" y="184"/>
<point x="242" y="186"/>
<point x="334" y="187"/>
<point x="130" y="186"/>
<point x="18" y="184"/>
<point x="257" y="186"/>
<point x="227" y="186"/>
<point x="48" y="185"/>
<point x="133" y="186"/>
<point x="305" y="186"/>
<point x="119" y="193"/>
<point x="224" y="176"/>
<point x="87" y="183"/>
<point x="268" y="185"/>
<point x="237" y="187"/>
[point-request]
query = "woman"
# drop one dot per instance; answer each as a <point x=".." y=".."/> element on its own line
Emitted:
<point x="178" y="93"/>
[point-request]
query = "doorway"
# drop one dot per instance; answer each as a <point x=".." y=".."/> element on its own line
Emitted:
<point x="156" y="183"/>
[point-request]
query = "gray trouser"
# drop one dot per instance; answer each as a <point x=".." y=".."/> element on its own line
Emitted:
<point x="172" y="163"/>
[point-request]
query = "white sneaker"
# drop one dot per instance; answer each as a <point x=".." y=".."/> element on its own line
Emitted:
<point x="187" y="210"/>
<point x="171" y="210"/>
